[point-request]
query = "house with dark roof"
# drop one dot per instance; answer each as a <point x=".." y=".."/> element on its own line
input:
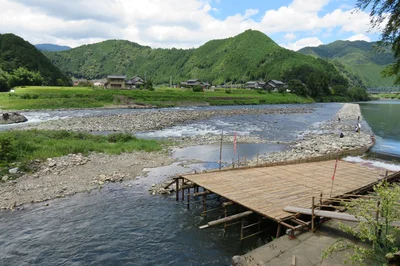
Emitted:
<point x="193" y="82"/>
<point x="134" y="83"/>
<point x="273" y="84"/>
<point x="254" y="85"/>
<point x="115" y="82"/>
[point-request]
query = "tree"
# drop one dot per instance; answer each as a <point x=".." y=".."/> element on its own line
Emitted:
<point x="358" y="94"/>
<point x="376" y="216"/>
<point x="386" y="11"/>
<point x="297" y="87"/>
<point x="340" y="90"/>
<point x="23" y="77"/>
<point x="4" y="81"/>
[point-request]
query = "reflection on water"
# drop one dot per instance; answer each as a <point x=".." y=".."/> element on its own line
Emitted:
<point x="384" y="119"/>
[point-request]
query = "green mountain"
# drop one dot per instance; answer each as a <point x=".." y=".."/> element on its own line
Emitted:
<point x="250" y="55"/>
<point x="364" y="59"/>
<point x="51" y="47"/>
<point x="15" y="52"/>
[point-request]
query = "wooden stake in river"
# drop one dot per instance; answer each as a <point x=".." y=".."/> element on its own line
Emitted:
<point x="220" y="151"/>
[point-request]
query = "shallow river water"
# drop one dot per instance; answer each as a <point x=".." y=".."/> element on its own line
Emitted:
<point x="123" y="225"/>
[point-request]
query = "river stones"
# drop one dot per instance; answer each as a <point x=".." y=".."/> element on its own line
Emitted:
<point x="12" y="118"/>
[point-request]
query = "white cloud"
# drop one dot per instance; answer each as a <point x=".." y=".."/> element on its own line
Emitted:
<point x="165" y="23"/>
<point x="359" y="37"/>
<point x="250" y="12"/>
<point x="290" y="36"/>
<point x="311" y="42"/>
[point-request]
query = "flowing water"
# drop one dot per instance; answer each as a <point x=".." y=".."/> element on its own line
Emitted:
<point x="123" y="225"/>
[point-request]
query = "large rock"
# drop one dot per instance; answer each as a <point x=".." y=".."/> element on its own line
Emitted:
<point x="12" y="118"/>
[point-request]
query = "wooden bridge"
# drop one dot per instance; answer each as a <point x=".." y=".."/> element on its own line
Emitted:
<point x="268" y="190"/>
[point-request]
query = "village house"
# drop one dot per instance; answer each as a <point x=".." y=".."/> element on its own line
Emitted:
<point x="135" y="82"/>
<point x="193" y="82"/>
<point x="120" y="82"/>
<point x="115" y="82"/>
<point x="254" y="85"/>
<point x="274" y="84"/>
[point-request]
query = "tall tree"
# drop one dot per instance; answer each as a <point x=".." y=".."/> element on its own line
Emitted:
<point x="386" y="14"/>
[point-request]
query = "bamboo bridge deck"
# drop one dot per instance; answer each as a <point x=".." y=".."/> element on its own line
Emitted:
<point x="267" y="190"/>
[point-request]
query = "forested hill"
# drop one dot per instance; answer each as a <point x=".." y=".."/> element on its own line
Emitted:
<point x="365" y="59"/>
<point x="16" y="53"/>
<point x="250" y="55"/>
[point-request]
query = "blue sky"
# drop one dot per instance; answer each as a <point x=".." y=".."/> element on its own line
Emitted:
<point x="184" y="23"/>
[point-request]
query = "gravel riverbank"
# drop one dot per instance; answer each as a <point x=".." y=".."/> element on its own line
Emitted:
<point x="67" y="175"/>
<point x="155" y="120"/>
<point x="325" y="138"/>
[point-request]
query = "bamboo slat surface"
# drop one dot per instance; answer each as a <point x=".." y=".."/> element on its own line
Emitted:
<point x="267" y="190"/>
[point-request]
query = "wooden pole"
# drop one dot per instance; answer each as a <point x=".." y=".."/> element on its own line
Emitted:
<point x="177" y="189"/>
<point x="188" y="201"/>
<point x="312" y="215"/>
<point x="242" y="230"/>
<point x="227" y="219"/>
<point x="278" y="232"/>
<point x="220" y="151"/>
<point x="320" y="200"/>
<point x="183" y="191"/>
<point x="204" y="205"/>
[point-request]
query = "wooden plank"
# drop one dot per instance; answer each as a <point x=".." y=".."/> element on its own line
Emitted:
<point x="330" y="214"/>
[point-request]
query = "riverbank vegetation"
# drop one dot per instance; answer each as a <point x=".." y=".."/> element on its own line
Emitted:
<point x="392" y="96"/>
<point x="24" y="146"/>
<point x="375" y="229"/>
<point x="26" y="98"/>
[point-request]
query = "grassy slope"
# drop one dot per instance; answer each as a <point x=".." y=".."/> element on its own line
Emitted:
<point x="362" y="58"/>
<point x="78" y="97"/>
<point x="249" y="56"/>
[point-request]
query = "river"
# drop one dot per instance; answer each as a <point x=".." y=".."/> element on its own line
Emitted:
<point x="383" y="117"/>
<point x="123" y="225"/>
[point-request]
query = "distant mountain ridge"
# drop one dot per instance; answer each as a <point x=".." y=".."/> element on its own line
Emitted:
<point x="48" y="47"/>
<point x="251" y="55"/>
<point x="15" y="52"/>
<point x="366" y="59"/>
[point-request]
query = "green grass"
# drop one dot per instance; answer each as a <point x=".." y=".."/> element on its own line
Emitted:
<point x="24" y="146"/>
<point x="386" y="96"/>
<point x="80" y="97"/>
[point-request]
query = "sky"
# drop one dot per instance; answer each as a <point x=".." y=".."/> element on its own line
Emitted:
<point x="293" y="24"/>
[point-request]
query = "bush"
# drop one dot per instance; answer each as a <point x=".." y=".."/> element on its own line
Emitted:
<point x="228" y="91"/>
<point x="197" y="88"/>
<point x="7" y="149"/>
<point x="377" y="231"/>
<point x="120" y="137"/>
